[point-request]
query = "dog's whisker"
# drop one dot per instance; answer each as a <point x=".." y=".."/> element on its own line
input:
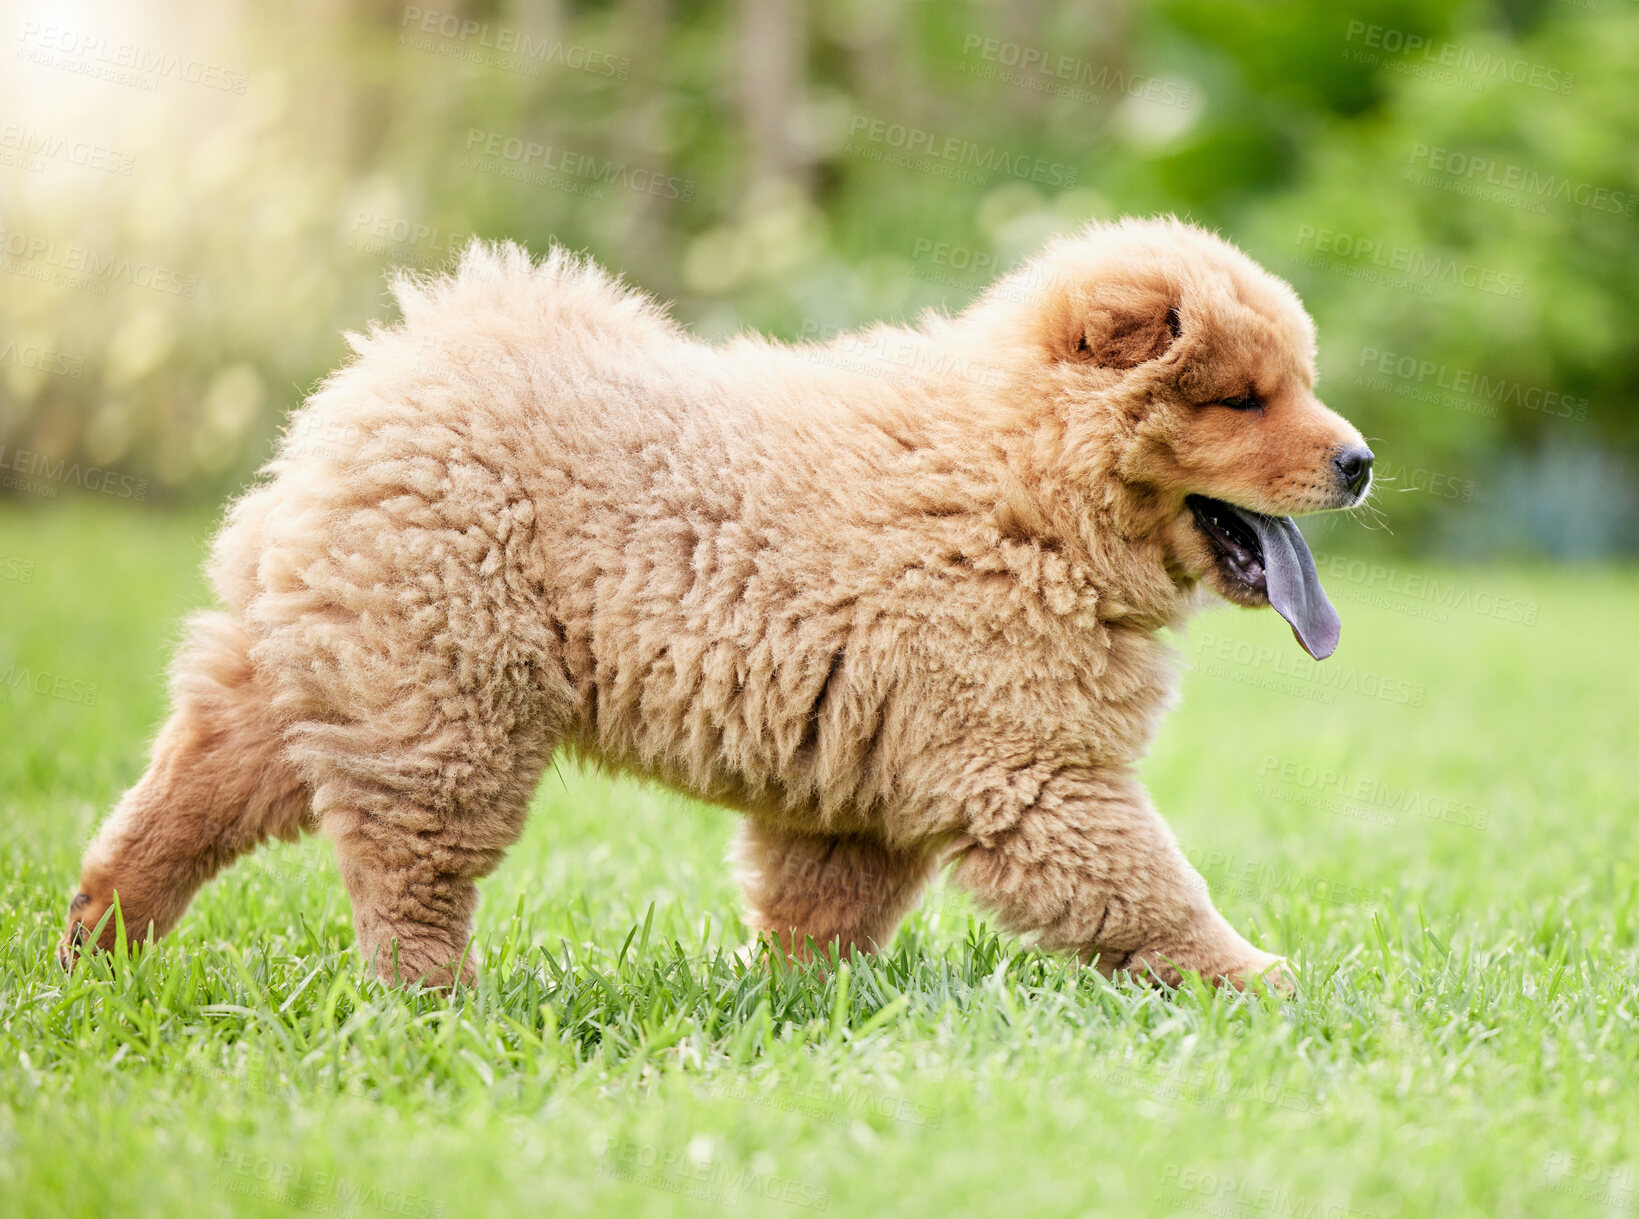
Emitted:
<point x="1377" y="520"/>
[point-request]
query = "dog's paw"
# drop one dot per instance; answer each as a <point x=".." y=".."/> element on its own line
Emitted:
<point x="1259" y="967"/>
<point x="763" y="951"/>
<point x="410" y="971"/>
<point x="1275" y="973"/>
<point x="770" y="952"/>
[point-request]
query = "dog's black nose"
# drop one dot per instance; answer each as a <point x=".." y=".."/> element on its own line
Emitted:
<point x="1355" y="467"/>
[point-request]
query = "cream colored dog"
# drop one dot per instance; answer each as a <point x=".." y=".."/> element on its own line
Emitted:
<point x="893" y="598"/>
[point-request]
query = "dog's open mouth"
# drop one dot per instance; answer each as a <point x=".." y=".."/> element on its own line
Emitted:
<point x="1267" y="554"/>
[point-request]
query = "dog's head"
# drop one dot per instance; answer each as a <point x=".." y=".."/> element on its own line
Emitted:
<point x="1183" y="373"/>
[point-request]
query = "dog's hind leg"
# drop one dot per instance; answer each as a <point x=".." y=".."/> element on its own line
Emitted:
<point x="1089" y="867"/>
<point x="840" y="892"/>
<point x="412" y="866"/>
<point x="219" y="785"/>
<point x="425" y="787"/>
<point x="422" y="666"/>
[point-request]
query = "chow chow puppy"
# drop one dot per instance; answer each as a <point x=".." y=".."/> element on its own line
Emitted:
<point x="895" y="598"/>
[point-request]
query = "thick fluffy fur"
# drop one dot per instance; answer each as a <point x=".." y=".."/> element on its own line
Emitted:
<point x="894" y="598"/>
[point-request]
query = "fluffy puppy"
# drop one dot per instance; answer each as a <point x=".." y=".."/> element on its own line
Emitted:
<point x="894" y="598"/>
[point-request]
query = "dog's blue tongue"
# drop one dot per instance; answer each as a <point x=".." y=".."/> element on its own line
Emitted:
<point x="1293" y="584"/>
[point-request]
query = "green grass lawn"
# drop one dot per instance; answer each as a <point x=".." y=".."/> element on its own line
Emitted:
<point x="1439" y="826"/>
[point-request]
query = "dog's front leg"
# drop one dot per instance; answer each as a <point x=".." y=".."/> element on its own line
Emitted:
<point x="1089" y="867"/>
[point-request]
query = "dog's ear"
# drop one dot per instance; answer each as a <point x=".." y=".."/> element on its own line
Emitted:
<point x="1117" y="326"/>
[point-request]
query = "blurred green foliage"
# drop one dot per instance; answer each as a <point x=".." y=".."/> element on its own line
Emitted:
<point x="1451" y="186"/>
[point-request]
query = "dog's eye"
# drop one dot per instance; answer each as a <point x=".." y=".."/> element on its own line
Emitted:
<point x="1246" y="402"/>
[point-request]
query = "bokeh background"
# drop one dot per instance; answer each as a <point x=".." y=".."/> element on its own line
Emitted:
<point x="1439" y="825"/>
<point x="197" y="199"/>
